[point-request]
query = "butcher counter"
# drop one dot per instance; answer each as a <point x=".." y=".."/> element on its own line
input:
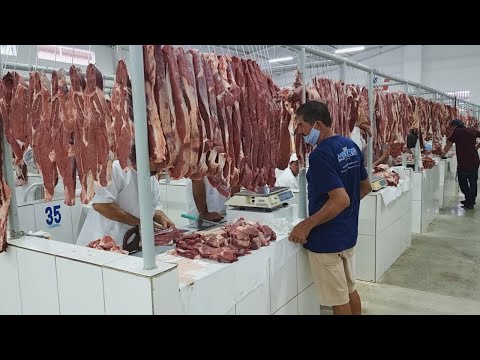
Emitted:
<point x="41" y="276"/>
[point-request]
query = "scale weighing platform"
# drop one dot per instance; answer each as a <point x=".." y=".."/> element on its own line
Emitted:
<point x="378" y="182"/>
<point x="272" y="200"/>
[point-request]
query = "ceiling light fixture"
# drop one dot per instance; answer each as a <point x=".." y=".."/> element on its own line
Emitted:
<point x="351" y="49"/>
<point x="286" y="58"/>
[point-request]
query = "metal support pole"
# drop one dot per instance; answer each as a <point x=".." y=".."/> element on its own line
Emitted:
<point x="45" y="69"/>
<point x="343" y="71"/>
<point x="143" y="166"/>
<point x="13" y="220"/>
<point x="302" y="176"/>
<point x="373" y="129"/>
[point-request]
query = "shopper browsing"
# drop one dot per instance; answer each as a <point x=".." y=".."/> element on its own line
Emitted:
<point x="337" y="181"/>
<point x="467" y="158"/>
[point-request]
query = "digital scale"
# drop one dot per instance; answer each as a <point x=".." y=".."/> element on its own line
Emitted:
<point x="274" y="199"/>
<point x="378" y="182"/>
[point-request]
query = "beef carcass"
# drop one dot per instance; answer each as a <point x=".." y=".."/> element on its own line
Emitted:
<point x="98" y="128"/>
<point x="156" y="138"/>
<point x="62" y="135"/>
<point x="5" y="195"/>
<point x="77" y="114"/>
<point x="43" y="149"/>
<point x="121" y="112"/>
<point x="180" y="119"/>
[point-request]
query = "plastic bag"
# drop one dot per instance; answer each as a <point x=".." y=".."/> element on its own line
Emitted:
<point x="357" y="138"/>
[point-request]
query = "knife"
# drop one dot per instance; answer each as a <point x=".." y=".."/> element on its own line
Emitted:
<point x="199" y="221"/>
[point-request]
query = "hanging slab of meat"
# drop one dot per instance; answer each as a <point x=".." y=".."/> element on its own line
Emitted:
<point x="188" y="85"/>
<point x="77" y="113"/>
<point x="5" y="195"/>
<point x="285" y="138"/>
<point x="16" y="98"/>
<point x="98" y="128"/>
<point x="218" y="156"/>
<point x="156" y="138"/>
<point x="43" y="149"/>
<point x="62" y="135"/>
<point x="246" y="131"/>
<point x="121" y="112"/>
<point x="180" y="119"/>
<point x="163" y="98"/>
<point x="207" y="150"/>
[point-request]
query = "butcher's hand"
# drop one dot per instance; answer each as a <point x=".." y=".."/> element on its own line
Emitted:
<point x="211" y="216"/>
<point x="164" y="221"/>
<point x="300" y="232"/>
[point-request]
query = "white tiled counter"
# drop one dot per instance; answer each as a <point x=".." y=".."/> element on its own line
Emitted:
<point x="426" y="195"/>
<point x="40" y="276"/>
<point x="383" y="233"/>
<point x="448" y="183"/>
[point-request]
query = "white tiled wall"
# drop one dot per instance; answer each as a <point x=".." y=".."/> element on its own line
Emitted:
<point x="80" y="288"/>
<point x="304" y="274"/>
<point x="308" y="303"/>
<point x="283" y="284"/>
<point x="365" y="258"/>
<point x="133" y="291"/>
<point x="38" y="283"/>
<point x="290" y="308"/>
<point x="10" y="301"/>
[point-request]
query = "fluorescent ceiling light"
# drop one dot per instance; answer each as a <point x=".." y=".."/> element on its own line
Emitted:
<point x="281" y="59"/>
<point x="351" y="49"/>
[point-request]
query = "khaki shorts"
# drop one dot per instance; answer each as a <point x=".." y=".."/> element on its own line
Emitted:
<point x="334" y="276"/>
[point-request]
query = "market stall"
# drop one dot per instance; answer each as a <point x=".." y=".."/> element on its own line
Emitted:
<point x="383" y="228"/>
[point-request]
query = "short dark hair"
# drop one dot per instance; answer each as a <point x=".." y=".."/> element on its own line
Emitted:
<point x="313" y="111"/>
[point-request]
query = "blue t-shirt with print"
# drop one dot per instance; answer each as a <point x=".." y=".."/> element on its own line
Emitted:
<point x="336" y="162"/>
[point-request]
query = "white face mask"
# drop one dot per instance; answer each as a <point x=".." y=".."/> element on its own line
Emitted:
<point x="312" y="137"/>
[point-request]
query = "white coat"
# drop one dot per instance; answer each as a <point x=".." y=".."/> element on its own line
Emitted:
<point x="124" y="192"/>
<point x="215" y="200"/>
<point x="287" y="179"/>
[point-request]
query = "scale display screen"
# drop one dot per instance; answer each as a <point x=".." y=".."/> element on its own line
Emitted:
<point x="284" y="196"/>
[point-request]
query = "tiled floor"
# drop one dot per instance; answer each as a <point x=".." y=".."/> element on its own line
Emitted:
<point x="438" y="274"/>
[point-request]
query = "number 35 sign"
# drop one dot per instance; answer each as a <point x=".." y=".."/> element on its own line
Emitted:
<point x="54" y="217"/>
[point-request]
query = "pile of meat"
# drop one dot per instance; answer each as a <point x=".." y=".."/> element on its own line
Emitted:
<point x="347" y="104"/>
<point x="108" y="244"/>
<point x="427" y="162"/>
<point x="214" y="115"/>
<point x="5" y="194"/>
<point x="387" y="173"/>
<point x="226" y="244"/>
<point x="166" y="236"/>
<point x="69" y="129"/>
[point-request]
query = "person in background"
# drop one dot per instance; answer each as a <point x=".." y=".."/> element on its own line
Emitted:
<point x="428" y="144"/>
<point x="289" y="177"/>
<point x="204" y="201"/>
<point x="337" y="181"/>
<point x="412" y="138"/>
<point x="116" y="209"/>
<point x="466" y="147"/>
<point x="382" y="156"/>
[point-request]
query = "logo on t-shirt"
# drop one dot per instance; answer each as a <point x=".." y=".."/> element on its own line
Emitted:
<point x="346" y="154"/>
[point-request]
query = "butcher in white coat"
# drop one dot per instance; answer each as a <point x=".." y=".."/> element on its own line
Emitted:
<point x="289" y="177"/>
<point x="204" y="200"/>
<point x="115" y="208"/>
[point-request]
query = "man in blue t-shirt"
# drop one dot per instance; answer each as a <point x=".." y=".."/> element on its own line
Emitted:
<point x="337" y="181"/>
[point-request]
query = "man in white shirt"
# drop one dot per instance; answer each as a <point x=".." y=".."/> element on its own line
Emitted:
<point x="289" y="177"/>
<point x="115" y="208"/>
<point x="204" y="200"/>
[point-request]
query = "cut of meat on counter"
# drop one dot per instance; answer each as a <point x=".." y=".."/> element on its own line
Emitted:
<point x="5" y="194"/>
<point x="166" y="236"/>
<point x="227" y="243"/>
<point x="387" y="173"/>
<point x="108" y="244"/>
<point x="428" y="162"/>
